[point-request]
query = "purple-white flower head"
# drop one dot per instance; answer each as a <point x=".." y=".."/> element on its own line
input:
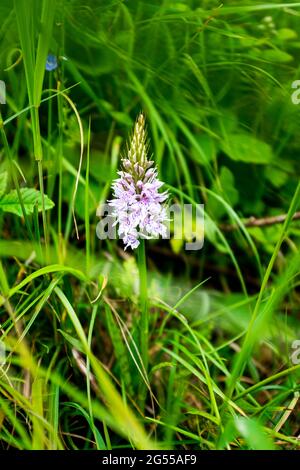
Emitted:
<point x="138" y="205"/>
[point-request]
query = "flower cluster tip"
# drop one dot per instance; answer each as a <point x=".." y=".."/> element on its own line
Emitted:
<point x="138" y="205"/>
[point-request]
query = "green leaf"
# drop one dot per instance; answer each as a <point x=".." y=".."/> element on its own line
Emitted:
<point x="99" y="439"/>
<point x="228" y="435"/>
<point x="247" y="148"/>
<point x="277" y="176"/>
<point x="75" y="343"/>
<point x="3" y="182"/>
<point x="119" y="347"/>
<point x="46" y="24"/>
<point x="286" y="33"/>
<point x="276" y="55"/>
<point x="250" y="430"/>
<point x="208" y="145"/>
<point x="30" y="197"/>
<point x="224" y="188"/>
<point x="254" y="434"/>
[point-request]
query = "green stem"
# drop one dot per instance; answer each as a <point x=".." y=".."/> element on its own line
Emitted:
<point x="41" y="184"/>
<point x="144" y="329"/>
<point x="59" y="161"/>
<point x="86" y="203"/>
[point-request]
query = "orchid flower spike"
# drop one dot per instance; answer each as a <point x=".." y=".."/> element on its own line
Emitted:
<point x="138" y="206"/>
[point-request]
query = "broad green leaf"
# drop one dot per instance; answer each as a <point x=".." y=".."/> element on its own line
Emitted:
<point x="208" y="145"/>
<point x="3" y="182"/>
<point x="277" y="177"/>
<point x="279" y="173"/>
<point x="286" y="33"/>
<point x="250" y="430"/>
<point x="227" y="436"/>
<point x="254" y="434"/>
<point x="276" y="55"/>
<point x="247" y="148"/>
<point x="30" y="196"/>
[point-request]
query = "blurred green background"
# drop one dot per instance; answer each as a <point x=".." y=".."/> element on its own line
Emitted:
<point x="215" y="82"/>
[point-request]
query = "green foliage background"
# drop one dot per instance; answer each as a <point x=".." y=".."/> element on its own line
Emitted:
<point x="215" y="83"/>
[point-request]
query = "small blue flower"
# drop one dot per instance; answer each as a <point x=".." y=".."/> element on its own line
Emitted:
<point x="51" y="63"/>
